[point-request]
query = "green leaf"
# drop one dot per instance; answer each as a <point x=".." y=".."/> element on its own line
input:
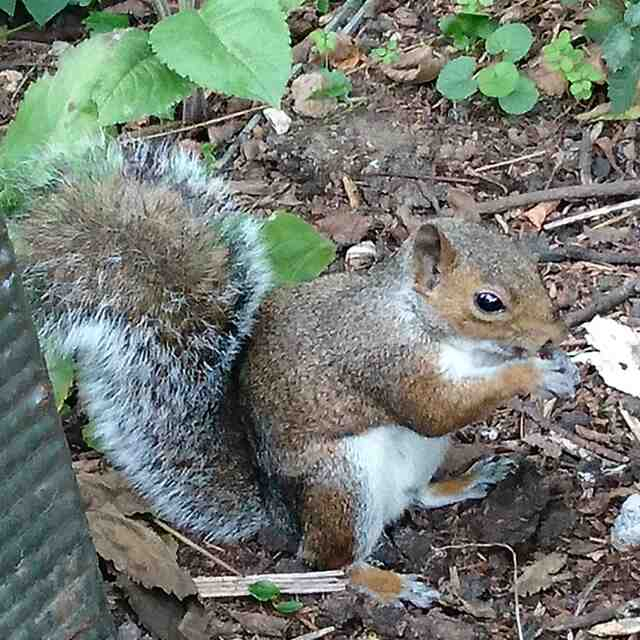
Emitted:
<point x="617" y="46"/>
<point x="513" y="40"/>
<point x="322" y="6"/>
<point x="522" y="99"/>
<point x="467" y="27"/>
<point x="456" y="80"/>
<point x="8" y="6"/>
<point x="632" y="15"/>
<point x="236" y="47"/>
<point x="603" y="18"/>
<point x="498" y="80"/>
<point x="289" y="5"/>
<point x="623" y="87"/>
<point x="91" y="439"/>
<point x="43" y="10"/>
<point x="264" y="590"/>
<point x="337" y="85"/>
<point x="61" y="374"/>
<point x="134" y="83"/>
<point x="59" y="110"/>
<point x="104" y="22"/>
<point x="296" y="250"/>
<point x="287" y="607"/>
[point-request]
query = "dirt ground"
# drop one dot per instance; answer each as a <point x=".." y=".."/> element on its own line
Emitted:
<point x="410" y="154"/>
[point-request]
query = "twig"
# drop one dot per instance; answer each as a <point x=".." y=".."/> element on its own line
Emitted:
<point x="602" y="614"/>
<point x="200" y="125"/>
<point x="586" y="145"/>
<point x="577" y="192"/>
<point x="316" y="635"/>
<point x="594" y="213"/>
<point x="425" y="176"/>
<point x="297" y="583"/>
<point x="198" y="548"/>
<point x="342" y="15"/>
<point x="632" y="422"/>
<point x="352" y="25"/>
<point x="506" y="163"/>
<point x="580" y="254"/>
<point x="601" y="305"/>
<point x="488" y="545"/>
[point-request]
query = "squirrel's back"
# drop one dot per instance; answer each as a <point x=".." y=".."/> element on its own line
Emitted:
<point x="141" y="269"/>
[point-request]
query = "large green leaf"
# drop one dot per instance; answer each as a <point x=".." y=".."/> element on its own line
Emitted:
<point x="236" y="47"/>
<point x="512" y="40"/>
<point x="296" y="250"/>
<point x="61" y="374"/>
<point x="43" y="10"/>
<point x="8" y="6"/>
<point x="58" y="110"/>
<point x="617" y="46"/>
<point x="456" y="80"/>
<point x="603" y="18"/>
<point x="623" y="87"/>
<point x="133" y="82"/>
<point x="522" y="99"/>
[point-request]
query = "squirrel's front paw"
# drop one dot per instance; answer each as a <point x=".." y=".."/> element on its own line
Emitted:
<point x="560" y="376"/>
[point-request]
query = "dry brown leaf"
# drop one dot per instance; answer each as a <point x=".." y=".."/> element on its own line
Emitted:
<point x="594" y="57"/>
<point x="109" y="488"/>
<point x="539" y="575"/>
<point x="138" y="551"/>
<point x="417" y="66"/>
<point x="345" y="227"/>
<point x="346" y="55"/>
<point x="303" y="88"/>
<point x="550" y="82"/>
<point x="538" y="214"/>
<point x="133" y="7"/>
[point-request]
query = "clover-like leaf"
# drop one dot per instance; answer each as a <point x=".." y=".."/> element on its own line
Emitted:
<point x="498" y="80"/>
<point x="264" y="590"/>
<point x="456" y="80"/>
<point x="522" y="99"/>
<point x="512" y="40"/>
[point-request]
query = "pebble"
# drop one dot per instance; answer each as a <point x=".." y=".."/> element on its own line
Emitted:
<point x="625" y="533"/>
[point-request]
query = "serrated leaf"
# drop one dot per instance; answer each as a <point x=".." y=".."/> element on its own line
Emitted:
<point x="498" y="80"/>
<point x="8" y="6"/>
<point x="134" y="82"/>
<point x="632" y="15"/>
<point x="602" y="19"/>
<point x="522" y="99"/>
<point x="43" y="10"/>
<point x="296" y="250"/>
<point x="456" y="81"/>
<point x="59" y="110"/>
<point x="617" y="46"/>
<point x="513" y="40"/>
<point x="104" y="22"/>
<point x="288" y="607"/>
<point x="61" y="374"/>
<point x="623" y="87"/>
<point x="236" y="47"/>
<point x="264" y="590"/>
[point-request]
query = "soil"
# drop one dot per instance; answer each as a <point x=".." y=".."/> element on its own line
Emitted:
<point x="410" y="153"/>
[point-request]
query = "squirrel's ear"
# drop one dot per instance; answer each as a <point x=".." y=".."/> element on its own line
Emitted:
<point x="432" y="256"/>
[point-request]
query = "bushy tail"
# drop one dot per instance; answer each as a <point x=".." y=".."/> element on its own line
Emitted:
<point x="141" y="268"/>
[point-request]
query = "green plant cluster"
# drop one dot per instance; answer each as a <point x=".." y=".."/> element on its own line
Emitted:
<point x="615" y="25"/>
<point x="337" y="84"/>
<point x="560" y="55"/>
<point x="501" y="79"/>
<point x="267" y="591"/>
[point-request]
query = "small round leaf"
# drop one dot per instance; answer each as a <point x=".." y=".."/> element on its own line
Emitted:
<point x="522" y="99"/>
<point x="264" y="590"/>
<point x="456" y="80"/>
<point x="513" y="40"/>
<point x="288" y="607"/>
<point x="498" y="80"/>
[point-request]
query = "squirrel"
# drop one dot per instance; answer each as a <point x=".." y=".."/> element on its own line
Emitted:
<point x="322" y="409"/>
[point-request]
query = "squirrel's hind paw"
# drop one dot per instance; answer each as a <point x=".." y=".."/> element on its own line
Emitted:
<point x="389" y="587"/>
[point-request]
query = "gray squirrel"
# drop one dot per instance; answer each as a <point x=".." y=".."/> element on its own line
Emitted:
<point x="322" y="409"/>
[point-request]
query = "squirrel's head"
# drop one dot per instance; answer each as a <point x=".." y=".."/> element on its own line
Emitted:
<point x="483" y="285"/>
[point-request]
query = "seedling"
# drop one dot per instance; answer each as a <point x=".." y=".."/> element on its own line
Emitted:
<point x="560" y="55"/>
<point x="387" y="54"/>
<point x="516" y="94"/>
<point x="325" y="43"/>
<point x="337" y="85"/>
<point x="473" y="6"/>
<point x="267" y="591"/>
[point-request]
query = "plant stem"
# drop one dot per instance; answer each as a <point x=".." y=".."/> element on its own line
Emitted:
<point x="185" y="5"/>
<point x="161" y="8"/>
<point x="20" y="28"/>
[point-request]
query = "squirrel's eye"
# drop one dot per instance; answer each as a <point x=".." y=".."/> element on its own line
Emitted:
<point x="489" y="302"/>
